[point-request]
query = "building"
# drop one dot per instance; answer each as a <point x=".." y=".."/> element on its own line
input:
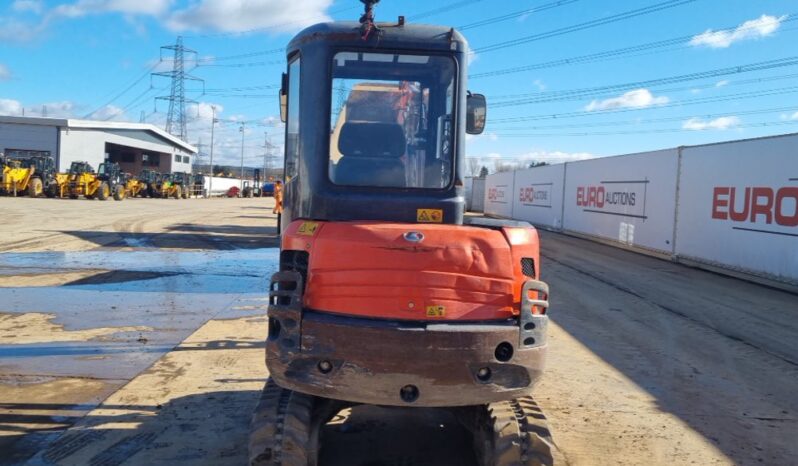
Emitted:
<point x="135" y="146"/>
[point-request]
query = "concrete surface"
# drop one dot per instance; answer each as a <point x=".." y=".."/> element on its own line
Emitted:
<point x="131" y="333"/>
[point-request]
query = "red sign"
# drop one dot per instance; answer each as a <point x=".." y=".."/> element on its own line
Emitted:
<point x="756" y="204"/>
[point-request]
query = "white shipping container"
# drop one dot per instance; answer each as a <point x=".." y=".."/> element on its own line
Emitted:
<point x="499" y="194"/>
<point x="629" y="199"/>
<point x="220" y="185"/>
<point x="477" y="195"/>
<point x="538" y="195"/>
<point x="738" y="206"/>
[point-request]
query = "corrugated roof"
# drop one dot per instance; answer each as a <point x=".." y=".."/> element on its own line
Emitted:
<point x="92" y="124"/>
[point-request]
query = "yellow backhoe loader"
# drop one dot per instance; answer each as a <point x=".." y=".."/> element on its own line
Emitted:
<point x="17" y="177"/>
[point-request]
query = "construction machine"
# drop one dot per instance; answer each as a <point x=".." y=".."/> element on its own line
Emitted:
<point x="112" y="181"/>
<point x="182" y="180"/>
<point x="18" y="178"/>
<point x="198" y="185"/>
<point x="46" y="179"/>
<point x="152" y="181"/>
<point x="133" y="186"/>
<point x="166" y="187"/>
<point x="387" y="294"/>
<point x="82" y="181"/>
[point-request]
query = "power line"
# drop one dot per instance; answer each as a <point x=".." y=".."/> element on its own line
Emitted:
<point x="124" y="91"/>
<point x="517" y="14"/>
<point x="587" y="25"/>
<point x="610" y="54"/>
<point x="650" y="120"/>
<point x="650" y="131"/>
<point x="443" y="9"/>
<point x="552" y="96"/>
<point x="698" y="101"/>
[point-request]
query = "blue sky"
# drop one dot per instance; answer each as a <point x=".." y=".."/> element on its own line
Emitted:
<point x="91" y="58"/>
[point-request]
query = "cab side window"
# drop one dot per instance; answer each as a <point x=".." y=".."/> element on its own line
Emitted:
<point x="292" y="125"/>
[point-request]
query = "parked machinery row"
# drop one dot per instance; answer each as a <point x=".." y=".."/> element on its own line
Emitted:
<point x="37" y="176"/>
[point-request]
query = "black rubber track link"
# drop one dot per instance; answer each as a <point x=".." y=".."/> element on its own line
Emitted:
<point x="285" y="427"/>
<point x="514" y="433"/>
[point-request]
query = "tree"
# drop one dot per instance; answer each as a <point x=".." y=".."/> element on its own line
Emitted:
<point x="538" y="164"/>
<point x="483" y="172"/>
<point x="473" y="165"/>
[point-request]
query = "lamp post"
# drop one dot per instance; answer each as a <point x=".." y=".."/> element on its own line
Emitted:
<point x="242" y="157"/>
<point x="213" y="124"/>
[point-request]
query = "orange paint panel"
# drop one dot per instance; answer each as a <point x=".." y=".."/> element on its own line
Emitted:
<point x="370" y="269"/>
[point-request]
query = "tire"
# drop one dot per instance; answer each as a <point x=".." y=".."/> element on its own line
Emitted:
<point x="35" y="188"/>
<point x="73" y="196"/>
<point x="119" y="193"/>
<point x="52" y="190"/>
<point x="104" y="192"/>
<point x="178" y="193"/>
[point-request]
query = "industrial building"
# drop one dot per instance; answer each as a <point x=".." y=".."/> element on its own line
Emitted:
<point x="135" y="146"/>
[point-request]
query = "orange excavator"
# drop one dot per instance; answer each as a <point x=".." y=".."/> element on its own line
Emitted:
<point x="387" y="293"/>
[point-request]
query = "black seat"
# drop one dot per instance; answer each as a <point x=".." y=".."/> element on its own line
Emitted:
<point x="371" y="155"/>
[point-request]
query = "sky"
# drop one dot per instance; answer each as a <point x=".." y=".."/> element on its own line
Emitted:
<point x="565" y="79"/>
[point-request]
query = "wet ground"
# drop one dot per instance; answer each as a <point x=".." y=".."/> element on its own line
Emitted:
<point x="135" y="336"/>
<point x="77" y="325"/>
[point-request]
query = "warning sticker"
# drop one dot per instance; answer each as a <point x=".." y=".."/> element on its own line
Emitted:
<point x="308" y="228"/>
<point x="436" y="311"/>
<point x="429" y="215"/>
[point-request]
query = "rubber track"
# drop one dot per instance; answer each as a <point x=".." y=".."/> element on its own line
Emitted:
<point x="520" y="435"/>
<point x="280" y="434"/>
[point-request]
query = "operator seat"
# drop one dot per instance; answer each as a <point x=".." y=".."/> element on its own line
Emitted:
<point x="371" y="155"/>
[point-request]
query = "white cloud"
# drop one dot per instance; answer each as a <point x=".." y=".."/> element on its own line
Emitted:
<point x="539" y="84"/>
<point x="129" y="7"/>
<point x="786" y="116"/>
<point x="523" y="160"/>
<point x="476" y="137"/>
<point x="63" y="109"/>
<point x="472" y="57"/>
<point x="10" y="107"/>
<point x="725" y="82"/>
<point x="5" y="73"/>
<point x="13" y="30"/>
<point x="33" y="6"/>
<point x="109" y="112"/>
<point x="13" y="107"/>
<point x="244" y="15"/>
<point x="638" y="98"/>
<point x="721" y="123"/>
<point x="763" y="26"/>
<point x="555" y="156"/>
<point x="794" y="116"/>
<point x="204" y="111"/>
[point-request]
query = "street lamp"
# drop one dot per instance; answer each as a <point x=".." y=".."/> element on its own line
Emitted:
<point x="213" y="124"/>
<point x="242" y="157"/>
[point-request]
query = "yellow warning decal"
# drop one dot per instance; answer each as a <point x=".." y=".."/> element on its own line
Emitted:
<point x="308" y="228"/>
<point x="429" y="215"/>
<point x="436" y="311"/>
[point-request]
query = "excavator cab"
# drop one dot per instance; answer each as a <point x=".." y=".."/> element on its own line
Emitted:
<point x="387" y="293"/>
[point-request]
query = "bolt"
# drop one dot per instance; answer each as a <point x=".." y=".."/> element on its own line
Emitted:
<point x="325" y="367"/>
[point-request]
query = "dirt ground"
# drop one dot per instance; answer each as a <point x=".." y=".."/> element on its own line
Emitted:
<point x="132" y="333"/>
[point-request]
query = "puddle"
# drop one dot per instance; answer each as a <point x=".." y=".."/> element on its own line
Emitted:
<point x="19" y="329"/>
<point x="235" y="271"/>
<point x="128" y="309"/>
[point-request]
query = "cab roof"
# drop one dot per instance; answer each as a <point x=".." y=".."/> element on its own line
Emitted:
<point x="390" y="36"/>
